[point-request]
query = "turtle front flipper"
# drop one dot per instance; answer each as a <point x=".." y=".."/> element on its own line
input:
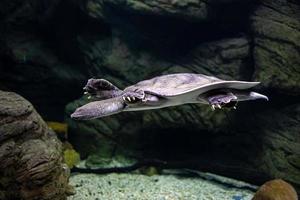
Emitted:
<point x="134" y="96"/>
<point x="97" y="109"/>
<point x="101" y="89"/>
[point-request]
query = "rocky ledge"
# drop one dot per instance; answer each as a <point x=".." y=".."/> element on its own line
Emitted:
<point x="31" y="156"/>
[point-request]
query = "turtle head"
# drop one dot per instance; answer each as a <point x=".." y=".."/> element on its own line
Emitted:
<point x="97" y="109"/>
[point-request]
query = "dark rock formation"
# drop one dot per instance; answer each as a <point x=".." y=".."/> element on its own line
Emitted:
<point x="187" y="9"/>
<point x="31" y="157"/>
<point x="49" y="48"/>
<point x="31" y="61"/>
<point x="276" y="30"/>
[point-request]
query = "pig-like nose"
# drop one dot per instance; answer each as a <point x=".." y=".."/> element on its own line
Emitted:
<point x="80" y="114"/>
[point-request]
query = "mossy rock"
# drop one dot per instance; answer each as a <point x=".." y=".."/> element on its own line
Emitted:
<point x="71" y="157"/>
<point x="96" y="161"/>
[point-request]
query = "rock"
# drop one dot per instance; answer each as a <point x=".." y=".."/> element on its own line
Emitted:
<point x="112" y="161"/>
<point x="225" y="58"/>
<point x="71" y="157"/>
<point x="188" y="9"/>
<point x="30" y="59"/>
<point x="276" y="30"/>
<point x="31" y="156"/>
<point x="280" y="144"/>
<point x="260" y="145"/>
<point x="276" y="190"/>
<point x="26" y="12"/>
<point x="36" y="72"/>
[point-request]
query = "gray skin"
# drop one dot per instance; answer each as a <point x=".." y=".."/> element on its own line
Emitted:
<point x="164" y="91"/>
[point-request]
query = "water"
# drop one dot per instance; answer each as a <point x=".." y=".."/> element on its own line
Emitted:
<point x="178" y="92"/>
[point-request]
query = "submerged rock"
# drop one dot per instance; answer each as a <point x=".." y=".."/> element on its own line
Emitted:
<point x="276" y="190"/>
<point x="188" y="9"/>
<point x="279" y="144"/>
<point x="31" y="156"/>
<point x="34" y="55"/>
<point x="33" y="70"/>
<point x="276" y="30"/>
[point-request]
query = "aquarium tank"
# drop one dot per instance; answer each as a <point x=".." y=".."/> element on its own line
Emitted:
<point x="149" y="99"/>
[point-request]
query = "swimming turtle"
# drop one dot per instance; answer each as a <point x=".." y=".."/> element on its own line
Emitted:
<point x="164" y="91"/>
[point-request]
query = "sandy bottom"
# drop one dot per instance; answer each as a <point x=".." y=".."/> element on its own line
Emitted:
<point x="158" y="187"/>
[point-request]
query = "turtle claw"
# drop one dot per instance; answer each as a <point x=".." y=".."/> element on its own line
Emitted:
<point x="227" y="100"/>
<point x="131" y="99"/>
<point x="228" y="106"/>
<point x="214" y="106"/>
<point x="135" y="96"/>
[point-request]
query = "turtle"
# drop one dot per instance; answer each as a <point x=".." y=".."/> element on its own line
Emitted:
<point x="164" y="91"/>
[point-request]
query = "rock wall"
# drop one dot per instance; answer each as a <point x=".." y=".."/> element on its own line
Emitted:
<point x="31" y="156"/>
<point x="247" y="40"/>
<point x="276" y="30"/>
<point x="49" y="54"/>
<point x="32" y="47"/>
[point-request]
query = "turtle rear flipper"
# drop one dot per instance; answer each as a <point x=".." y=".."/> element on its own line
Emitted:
<point x="220" y="99"/>
<point x="101" y="89"/>
<point x="98" y="109"/>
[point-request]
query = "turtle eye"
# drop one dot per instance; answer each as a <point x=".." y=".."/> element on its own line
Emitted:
<point x="89" y="90"/>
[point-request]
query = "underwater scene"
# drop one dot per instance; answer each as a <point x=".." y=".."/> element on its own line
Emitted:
<point x="149" y="99"/>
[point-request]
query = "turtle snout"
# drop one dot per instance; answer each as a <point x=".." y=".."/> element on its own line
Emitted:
<point x="80" y="114"/>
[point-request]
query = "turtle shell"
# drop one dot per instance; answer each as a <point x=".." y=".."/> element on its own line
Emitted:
<point x="173" y="85"/>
